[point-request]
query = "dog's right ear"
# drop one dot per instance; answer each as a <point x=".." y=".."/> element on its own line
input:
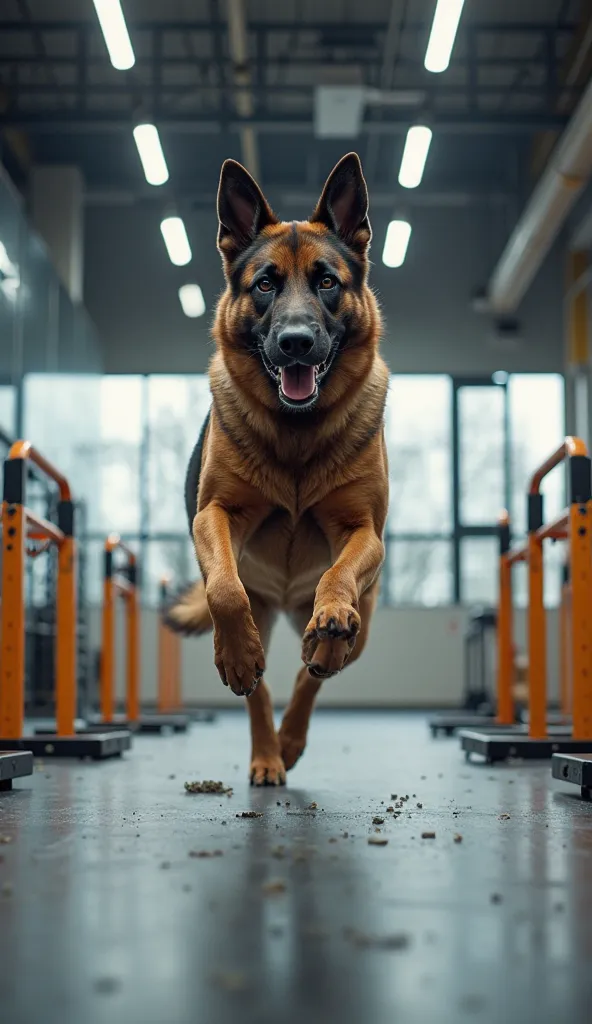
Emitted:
<point x="243" y="211"/>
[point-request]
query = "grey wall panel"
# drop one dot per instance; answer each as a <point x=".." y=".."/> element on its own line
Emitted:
<point x="38" y="307"/>
<point x="10" y="231"/>
<point x="430" y="325"/>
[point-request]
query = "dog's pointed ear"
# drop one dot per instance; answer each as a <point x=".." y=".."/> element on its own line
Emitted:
<point x="243" y="210"/>
<point x="343" y="206"/>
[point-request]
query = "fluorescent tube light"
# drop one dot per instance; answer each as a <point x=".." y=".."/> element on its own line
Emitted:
<point x="147" y="140"/>
<point x="176" y="241"/>
<point x="115" y="33"/>
<point x="444" y="26"/>
<point x="192" y="300"/>
<point x="396" y="242"/>
<point x="415" y="153"/>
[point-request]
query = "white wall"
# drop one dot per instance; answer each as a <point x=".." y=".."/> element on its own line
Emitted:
<point x="414" y="658"/>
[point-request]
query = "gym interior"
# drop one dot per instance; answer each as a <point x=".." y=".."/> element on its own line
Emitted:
<point x="429" y="857"/>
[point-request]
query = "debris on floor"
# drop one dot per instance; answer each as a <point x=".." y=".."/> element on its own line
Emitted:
<point x="313" y="806"/>
<point x="378" y="821"/>
<point x="457" y="837"/>
<point x="208" y="786"/>
<point x="395" y="942"/>
<point x="249" y="814"/>
<point x="428" y="835"/>
<point x="273" y="888"/>
<point x="107" y="986"/>
<point x="503" y="817"/>
<point x="231" y="981"/>
<point x="377" y="840"/>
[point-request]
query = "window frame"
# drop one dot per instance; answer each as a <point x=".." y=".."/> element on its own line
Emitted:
<point x="455" y="536"/>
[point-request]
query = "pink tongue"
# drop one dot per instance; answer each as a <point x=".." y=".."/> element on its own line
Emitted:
<point x="298" y="382"/>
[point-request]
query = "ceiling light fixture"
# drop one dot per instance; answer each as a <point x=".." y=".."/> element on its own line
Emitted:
<point x="150" y="151"/>
<point x="176" y="241"/>
<point x="115" y="33"/>
<point x="397" y="238"/>
<point x="192" y="300"/>
<point x="444" y="26"/>
<point x="415" y="154"/>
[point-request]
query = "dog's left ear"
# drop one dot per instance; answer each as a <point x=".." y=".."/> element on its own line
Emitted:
<point x="243" y="210"/>
<point x="343" y="206"/>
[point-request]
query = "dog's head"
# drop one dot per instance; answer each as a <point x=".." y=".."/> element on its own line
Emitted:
<point x="297" y="308"/>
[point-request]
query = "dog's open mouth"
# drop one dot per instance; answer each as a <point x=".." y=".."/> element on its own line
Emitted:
<point x="298" y="384"/>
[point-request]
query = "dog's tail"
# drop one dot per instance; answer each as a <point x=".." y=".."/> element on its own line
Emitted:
<point x="188" y="612"/>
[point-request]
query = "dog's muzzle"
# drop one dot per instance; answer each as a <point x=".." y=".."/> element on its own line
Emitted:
<point x="298" y="358"/>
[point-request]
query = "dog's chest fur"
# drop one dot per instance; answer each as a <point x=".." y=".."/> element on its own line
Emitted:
<point x="284" y="560"/>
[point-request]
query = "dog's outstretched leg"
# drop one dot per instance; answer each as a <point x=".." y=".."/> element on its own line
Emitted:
<point x="267" y="767"/>
<point x="218" y="532"/>
<point x="294" y="727"/>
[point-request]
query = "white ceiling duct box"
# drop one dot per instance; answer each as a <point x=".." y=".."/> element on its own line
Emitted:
<point x="338" y="111"/>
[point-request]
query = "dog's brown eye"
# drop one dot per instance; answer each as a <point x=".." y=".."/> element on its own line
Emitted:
<point x="264" y="284"/>
<point x="328" y="281"/>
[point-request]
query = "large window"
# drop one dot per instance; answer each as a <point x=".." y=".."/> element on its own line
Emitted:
<point x="459" y="452"/>
<point x="418" y="429"/>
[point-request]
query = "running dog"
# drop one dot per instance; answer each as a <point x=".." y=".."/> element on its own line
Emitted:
<point x="287" y="487"/>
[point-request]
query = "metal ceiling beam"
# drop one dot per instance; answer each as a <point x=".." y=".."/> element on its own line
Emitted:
<point x="355" y="27"/>
<point x="80" y="122"/>
<point x="296" y="198"/>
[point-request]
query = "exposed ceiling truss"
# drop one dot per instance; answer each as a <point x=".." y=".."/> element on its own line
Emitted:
<point x="55" y="76"/>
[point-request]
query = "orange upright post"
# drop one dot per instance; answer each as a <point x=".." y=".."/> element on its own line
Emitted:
<point x="580" y="530"/>
<point x="564" y="646"/>
<point x="124" y="584"/>
<point x="505" y="641"/>
<point x="537" y="642"/>
<point x="65" y="671"/>
<point x="169" y="661"/>
<point x="12" y="647"/>
<point x="133" y="646"/>
<point x="162" y="698"/>
<point x="107" y="682"/>
<point x="165" y="668"/>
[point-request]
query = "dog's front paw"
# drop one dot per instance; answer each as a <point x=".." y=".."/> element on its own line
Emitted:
<point x="267" y="770"/>
<point x="239" y="658"/>
<point x="330" y="638"/>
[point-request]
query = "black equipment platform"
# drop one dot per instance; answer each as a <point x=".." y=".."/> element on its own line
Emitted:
<point x="14" y="764"/>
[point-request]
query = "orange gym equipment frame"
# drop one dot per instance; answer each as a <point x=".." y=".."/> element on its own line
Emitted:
<point x="574" y="526"/>
<point x="20" y="524"/>
<point x="123" y="582"/>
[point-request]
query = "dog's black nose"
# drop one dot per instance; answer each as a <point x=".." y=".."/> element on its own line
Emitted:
<point x="296" y="341"/>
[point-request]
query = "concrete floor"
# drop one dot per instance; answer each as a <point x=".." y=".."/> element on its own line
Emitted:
<point x="106" y="917"/>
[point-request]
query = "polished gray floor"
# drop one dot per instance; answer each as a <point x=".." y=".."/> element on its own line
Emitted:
<point x="108" y="914"/>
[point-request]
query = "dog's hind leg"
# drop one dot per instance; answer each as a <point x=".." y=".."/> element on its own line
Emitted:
<point x="294" y="727"/>
<point x="267" y="767"/>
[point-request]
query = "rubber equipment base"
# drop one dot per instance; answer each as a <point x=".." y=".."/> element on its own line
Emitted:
<point x="510" y="745"/>
<point x="14" y="764"/>
<point x="448" y="724"/>
<point x="153" y="723"/>
<point x="96" y="745"/>
<point x="574" y="768"/>
<point x="158" y="723"/>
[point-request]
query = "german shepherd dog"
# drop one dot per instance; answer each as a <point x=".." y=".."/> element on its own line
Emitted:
<point x="287" y="487"/>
